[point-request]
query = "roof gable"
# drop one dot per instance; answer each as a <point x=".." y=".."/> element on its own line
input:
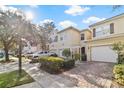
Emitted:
<point x="69" y="28"/>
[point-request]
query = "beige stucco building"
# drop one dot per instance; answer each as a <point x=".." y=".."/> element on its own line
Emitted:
<point x="95" y="42"/>
<point x="104" y="34"/>
<point x="66" y="38"/>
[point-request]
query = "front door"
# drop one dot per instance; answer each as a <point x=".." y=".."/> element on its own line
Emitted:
<point x="83" y="54"/>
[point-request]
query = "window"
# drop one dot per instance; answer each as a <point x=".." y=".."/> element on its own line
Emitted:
<point x="101" y="31"/>
<point x="56" y="39"/>
<point x="94" y="32"/>
<point x="50" y="40"/>
<point x="82" y="36"/>
<point x="61" y="38"/>
<point x="111" y="28"/>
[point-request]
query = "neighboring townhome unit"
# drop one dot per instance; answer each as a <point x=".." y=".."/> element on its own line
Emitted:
<point x="69" y="38"/>
<point x="104" y="34"/>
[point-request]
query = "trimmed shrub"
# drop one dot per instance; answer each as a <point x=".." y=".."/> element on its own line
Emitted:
<point x="55" y="65"/>
<point x="120" y="59"/>
<point x="83" y="57"/>
<point x="66" y="52"/>
<point x="77" y="56"/>
<point x="51" y="64"/>
<point x="69" y="63"/>
<point x="118" y="72"/>
<point x="119" y="49"/>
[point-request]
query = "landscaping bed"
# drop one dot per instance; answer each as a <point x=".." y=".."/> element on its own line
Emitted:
<point x="56" y="65"/>
<point x="11" y="79"/>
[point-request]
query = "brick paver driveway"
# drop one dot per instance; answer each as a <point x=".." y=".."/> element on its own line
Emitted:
<point x="85" y="74"/>
<point x="92" y="74"/>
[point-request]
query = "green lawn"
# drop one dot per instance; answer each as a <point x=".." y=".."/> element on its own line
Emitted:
<point x="11" y="79"/>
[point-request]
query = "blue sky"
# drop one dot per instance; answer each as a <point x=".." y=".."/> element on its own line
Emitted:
<point x="78" y="16"/>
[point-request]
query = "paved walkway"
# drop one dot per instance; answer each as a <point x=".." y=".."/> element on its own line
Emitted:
<point x="90" y="75"/>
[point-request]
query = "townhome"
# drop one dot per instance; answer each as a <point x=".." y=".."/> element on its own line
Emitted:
<point x="95" y="43"/>
<point x="67" y="38"/>
<point x="104" y="34"/>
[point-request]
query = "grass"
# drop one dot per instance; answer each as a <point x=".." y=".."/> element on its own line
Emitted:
<point x="11" y="79"/>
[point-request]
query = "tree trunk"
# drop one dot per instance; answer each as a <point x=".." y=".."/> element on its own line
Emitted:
<point x="20" y="57"/>
<point x="6" y="53"/>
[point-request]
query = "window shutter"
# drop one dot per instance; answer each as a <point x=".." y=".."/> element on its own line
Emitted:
<point x="94" y="32"/>
<point x="111" y="28"/>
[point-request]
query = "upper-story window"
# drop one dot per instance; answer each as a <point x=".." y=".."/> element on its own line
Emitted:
<point x="50" y="40"/>
<point x="82" y="37"/>
<point x="61" y="38"/>
<point x="94" y="32"/>
<point x="56" y="39"/>
<point x="101" y="31"/>
<point x="111" y="28"/>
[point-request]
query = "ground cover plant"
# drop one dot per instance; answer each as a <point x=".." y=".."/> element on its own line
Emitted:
<point x="12" y="79"/>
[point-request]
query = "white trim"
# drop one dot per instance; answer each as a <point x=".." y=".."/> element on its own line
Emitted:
<point x="107" y="37"/>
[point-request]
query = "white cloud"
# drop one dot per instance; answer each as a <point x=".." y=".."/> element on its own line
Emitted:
<point x="33" y="6"/>
<point x="6" y="8"/>
<point x="67" y="23"/>
<point x="76" y="10"/>
<point x="92" y="19"/>
<point x="46" y="20"/>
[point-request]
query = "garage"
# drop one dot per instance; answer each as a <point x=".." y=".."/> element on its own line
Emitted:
<point x="103" y="53"/>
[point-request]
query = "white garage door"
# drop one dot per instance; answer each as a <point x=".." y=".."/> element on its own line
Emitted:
<point x="103" y="53"/>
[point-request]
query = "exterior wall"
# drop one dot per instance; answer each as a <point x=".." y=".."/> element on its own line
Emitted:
<point x="118" y="25"/>
<point x="108" y="39"/>
<point x="71" y="40"/>
<point x="84" y="43"/>
<point x="87" y="35"/>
